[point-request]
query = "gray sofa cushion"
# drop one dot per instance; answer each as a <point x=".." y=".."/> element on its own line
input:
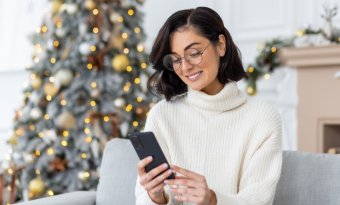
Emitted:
<point x="309" y="179"/>
<point x="118" y="174"/>
<point x="72" y="198"/>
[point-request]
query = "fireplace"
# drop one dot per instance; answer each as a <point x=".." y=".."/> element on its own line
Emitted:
<point x="318" y="91"/>
<point x="329" y="135"/>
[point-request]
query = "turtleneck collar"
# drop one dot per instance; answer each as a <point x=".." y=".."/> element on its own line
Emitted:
<point x="227" y="99"/>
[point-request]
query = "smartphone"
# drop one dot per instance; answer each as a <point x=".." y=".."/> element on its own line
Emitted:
<point x="145" y="144"/>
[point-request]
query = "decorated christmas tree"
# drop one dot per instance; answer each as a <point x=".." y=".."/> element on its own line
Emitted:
<point x="87" y="85"/>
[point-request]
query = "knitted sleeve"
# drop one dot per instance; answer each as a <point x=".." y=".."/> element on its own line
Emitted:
<point x="261" y="171"/>
<point x="142" y="197"/>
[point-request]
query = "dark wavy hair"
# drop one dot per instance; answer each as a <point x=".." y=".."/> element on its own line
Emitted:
<point x="208" y="24"/>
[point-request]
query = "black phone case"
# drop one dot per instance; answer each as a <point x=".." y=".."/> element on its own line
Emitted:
<point x="145" y="144"/>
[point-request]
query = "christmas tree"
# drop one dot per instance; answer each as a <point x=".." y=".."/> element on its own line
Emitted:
<point x="87" y="85"/>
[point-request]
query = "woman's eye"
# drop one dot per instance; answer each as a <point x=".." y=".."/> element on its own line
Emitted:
<point x="196" y="54"/>
<point x="176" y="61"/>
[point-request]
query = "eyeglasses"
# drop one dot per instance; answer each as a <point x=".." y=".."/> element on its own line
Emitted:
<point x="193" y="56"/>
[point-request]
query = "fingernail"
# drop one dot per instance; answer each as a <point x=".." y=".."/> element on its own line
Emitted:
<point x="149" y="157"/>
<point x="165" y="165"/>
<point x="166" y="181"/>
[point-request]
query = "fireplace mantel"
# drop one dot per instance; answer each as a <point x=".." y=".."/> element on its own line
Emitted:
<point x="318" y="92"/>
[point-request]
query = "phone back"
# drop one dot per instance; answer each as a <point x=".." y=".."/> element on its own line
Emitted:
<point x="145" y="144"/>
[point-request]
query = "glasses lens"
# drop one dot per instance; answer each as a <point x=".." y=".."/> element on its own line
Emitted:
<point x="193" y="56"/>
<point x="171" y="62"/>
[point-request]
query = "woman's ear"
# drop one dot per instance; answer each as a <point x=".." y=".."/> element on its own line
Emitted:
<point x="221" y="45"/>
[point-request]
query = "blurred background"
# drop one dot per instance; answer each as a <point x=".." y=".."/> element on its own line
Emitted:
<point x="307" y="32"/>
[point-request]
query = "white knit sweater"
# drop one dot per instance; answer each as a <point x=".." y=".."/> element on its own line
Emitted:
<point x="233" y="141"/>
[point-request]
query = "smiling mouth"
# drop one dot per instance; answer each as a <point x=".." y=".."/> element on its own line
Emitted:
<point x="194" y="76"/>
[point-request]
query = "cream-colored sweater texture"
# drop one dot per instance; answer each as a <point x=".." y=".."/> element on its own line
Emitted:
<point x="233" y="141"/>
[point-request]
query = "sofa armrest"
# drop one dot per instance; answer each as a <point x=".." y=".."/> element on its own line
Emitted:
<point x="72" y="198"/>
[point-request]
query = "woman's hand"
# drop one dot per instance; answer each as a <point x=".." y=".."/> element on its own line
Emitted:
<point x="153" y="180"/>
<point x="191" y="187"/>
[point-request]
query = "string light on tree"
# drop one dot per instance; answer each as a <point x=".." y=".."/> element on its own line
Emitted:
<point x="266" y="76"/>
<point x="139" y="99"/>
<point x="50" y="192"/>
<point x="89" y="66"/>
<point x="124" y="36"/>
<point x="128" y="68"/>
<point x="137" y="30"/>
<point x="137" y="81"/>
<point x="128" y="108"/>
<point x="131" y="12"/>
<point x="126" y="51"/>
<point x="143" y="65"/>
<point x="140" y="47"/>
<point x="95" y="12"/>
<point x="95" y="30"/>
<point x="106" y="118"/>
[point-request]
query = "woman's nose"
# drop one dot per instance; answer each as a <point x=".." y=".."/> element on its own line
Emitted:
<point x="186" y="65"/>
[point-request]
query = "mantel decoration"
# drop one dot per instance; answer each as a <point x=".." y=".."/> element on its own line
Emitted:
<point x="268" y="60"/>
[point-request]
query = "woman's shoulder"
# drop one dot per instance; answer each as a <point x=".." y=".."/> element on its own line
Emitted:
<point x="262" y="109"/>
<point x="164" y="106"/>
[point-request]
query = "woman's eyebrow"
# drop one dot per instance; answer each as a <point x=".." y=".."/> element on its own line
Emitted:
<point x="188" y="46"/>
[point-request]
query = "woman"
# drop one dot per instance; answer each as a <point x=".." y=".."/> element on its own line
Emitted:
<point x="224" y="149"/>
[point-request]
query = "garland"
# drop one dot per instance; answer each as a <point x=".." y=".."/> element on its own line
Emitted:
<point x="268" y="58"/>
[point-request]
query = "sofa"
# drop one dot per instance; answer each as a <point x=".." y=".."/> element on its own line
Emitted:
<point x="306" y="179"/>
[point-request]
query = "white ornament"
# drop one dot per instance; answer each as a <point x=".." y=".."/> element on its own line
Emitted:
<point x="49" y="136"/>
<point x="71" y="8"/>
<point x="34" y="97"/>
<point x="120" y="102"/>
<point x="144" y="82"/>
<point x="63" y="78"/>
<point x="95" y="93"/>
<point x="84" y="48"/>
<point x="60" y="32"/>
<point x="16" y="156"/>
<point x="28" y="158"/>
<point x="124" y="128"/>
<point x="82" y="29"/>
<point x="36" y="113"/>
<point x="81" y="175"/>
<point x="114" y="17"/>
<point x="66" y="120"/>
<point x="95" y="148"/>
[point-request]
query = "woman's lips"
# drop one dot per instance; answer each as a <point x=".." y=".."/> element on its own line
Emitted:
<point x="195" y="76"/>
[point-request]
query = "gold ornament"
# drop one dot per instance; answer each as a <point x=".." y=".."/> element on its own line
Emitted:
<point x="90" y="5"/>
<point x="50" y="89"/>
<point x="66" y="121"/>
<point x="36" y="82"/>
<point x="116" y="42"/>
<point x="13" y="140"/>
<point x="56" y="4"/>
<point x="36" y="187"/>
<point x="120" y="62"/>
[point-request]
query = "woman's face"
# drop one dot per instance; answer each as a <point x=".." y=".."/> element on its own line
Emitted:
<point x="202" y="76"/>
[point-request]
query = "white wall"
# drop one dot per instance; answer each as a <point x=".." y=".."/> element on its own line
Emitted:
<point x="17" y="20"/>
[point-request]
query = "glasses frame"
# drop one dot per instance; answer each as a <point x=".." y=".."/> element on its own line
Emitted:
<point x="181" y="61"/>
